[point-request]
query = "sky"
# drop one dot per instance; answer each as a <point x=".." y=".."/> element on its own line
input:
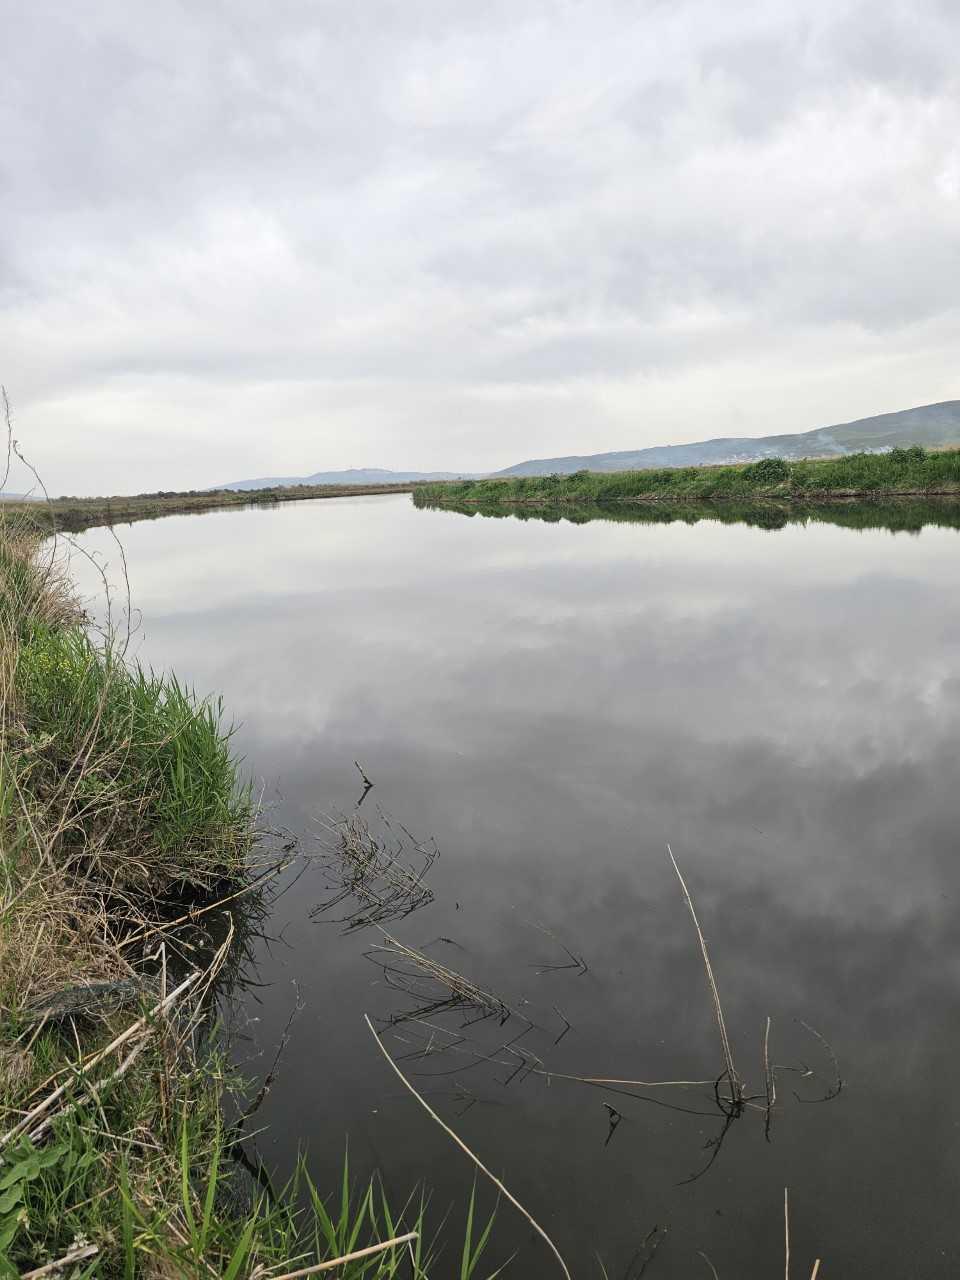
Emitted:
<point x="242" y="239"/>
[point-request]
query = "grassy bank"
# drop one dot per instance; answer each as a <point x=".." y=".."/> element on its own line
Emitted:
<point x="907" y="472"/>
<point x="130" y="870"/>
<point x="75" y="514"/>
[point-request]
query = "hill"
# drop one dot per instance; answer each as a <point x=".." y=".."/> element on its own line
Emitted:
<point x="352" y="476"/>
<point x="931" y="425"/>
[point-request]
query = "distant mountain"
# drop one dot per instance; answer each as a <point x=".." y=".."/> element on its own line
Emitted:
<point x="930" y="425"/>
<point x="355" y="475"/>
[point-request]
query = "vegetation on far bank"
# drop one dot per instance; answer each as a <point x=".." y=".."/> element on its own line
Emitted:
<point x="913" y="471"/>
<point x="76" y="514"/>
<point x="130" y="873"/>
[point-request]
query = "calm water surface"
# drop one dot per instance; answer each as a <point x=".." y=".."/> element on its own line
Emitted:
<point x="553" y="704"/>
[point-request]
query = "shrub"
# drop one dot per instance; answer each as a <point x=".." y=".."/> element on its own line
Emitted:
<point x="769" y="471"/>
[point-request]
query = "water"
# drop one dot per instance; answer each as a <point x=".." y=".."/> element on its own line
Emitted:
<point x="553" y="704"/>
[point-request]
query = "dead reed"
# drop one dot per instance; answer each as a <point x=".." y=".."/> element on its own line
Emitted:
<point x="381" y="878"/>
<point x="435" y="987"/>
<point x="730" y="1071"/>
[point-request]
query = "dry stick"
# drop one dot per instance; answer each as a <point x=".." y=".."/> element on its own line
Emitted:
<point x="75" y="1255"/>
<point x="786" y="1234"/>
<point x="554" y="1075"/>
<point x="709" y="1264"/>
<point x="8" y="419"/>
<point x="816" y="1269"/>
<point x="460" y="988"/>
<point x="637" y="1084"/>
<point x="121" y="1039"/>
<point x="347" y="1257"/>
<point x="769" y="1081"/>
<point x="736" y="1087"/>
<point x="210" y="974"/>
<point x="463" y="1147"/>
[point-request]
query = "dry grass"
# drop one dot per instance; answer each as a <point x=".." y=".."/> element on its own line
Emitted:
<point x="380" y="878"/>
<point x="434" y="987"/>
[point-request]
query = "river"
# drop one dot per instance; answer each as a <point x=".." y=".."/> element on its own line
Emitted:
<point x="553" y="704"/>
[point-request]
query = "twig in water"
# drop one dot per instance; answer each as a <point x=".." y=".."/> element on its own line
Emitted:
<point x="458" y="992"/>
<point x="713" y="1269"/>
<point x="575" y="961"/>
<point x="367" y="784"/>
<point x="634" y="1084"/>
<point x="837" y="1085"/>
<point x="770" y="1082"/>
<point x="271" y="1075"/>
<point x="614" y="1116"/>
<point x="463" y="1147"/>
<point x="362" y="867"/>
<point x="566" y="1024"/>
<point x="713" y="1145"/>
<point x="786" y="1234"/>
<point x="657" y="1234"/>
<point x="736" y="1087"/>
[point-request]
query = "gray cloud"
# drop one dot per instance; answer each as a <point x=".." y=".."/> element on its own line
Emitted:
<point x="242" y="239"/>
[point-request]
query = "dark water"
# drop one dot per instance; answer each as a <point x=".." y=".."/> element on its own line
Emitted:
<point x="553" y="704"/>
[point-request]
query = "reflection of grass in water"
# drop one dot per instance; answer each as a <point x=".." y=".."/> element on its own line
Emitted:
<point x="900" y="516"/>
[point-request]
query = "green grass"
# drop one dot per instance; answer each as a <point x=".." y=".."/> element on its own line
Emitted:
<point x="141" y="757"/>
<point x="160" y="1195"/>
<point x="901" y="471"/>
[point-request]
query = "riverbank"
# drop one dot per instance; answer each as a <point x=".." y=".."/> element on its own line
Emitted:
<point x="132" y="873"/>
<point x="908" y="473"/>
<point x="73" y="515"/>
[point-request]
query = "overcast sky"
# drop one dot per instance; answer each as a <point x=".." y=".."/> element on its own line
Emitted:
<point x="244" y="238"/>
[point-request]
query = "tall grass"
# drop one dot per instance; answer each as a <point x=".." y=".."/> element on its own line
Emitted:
<point x="144" y="769"/>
